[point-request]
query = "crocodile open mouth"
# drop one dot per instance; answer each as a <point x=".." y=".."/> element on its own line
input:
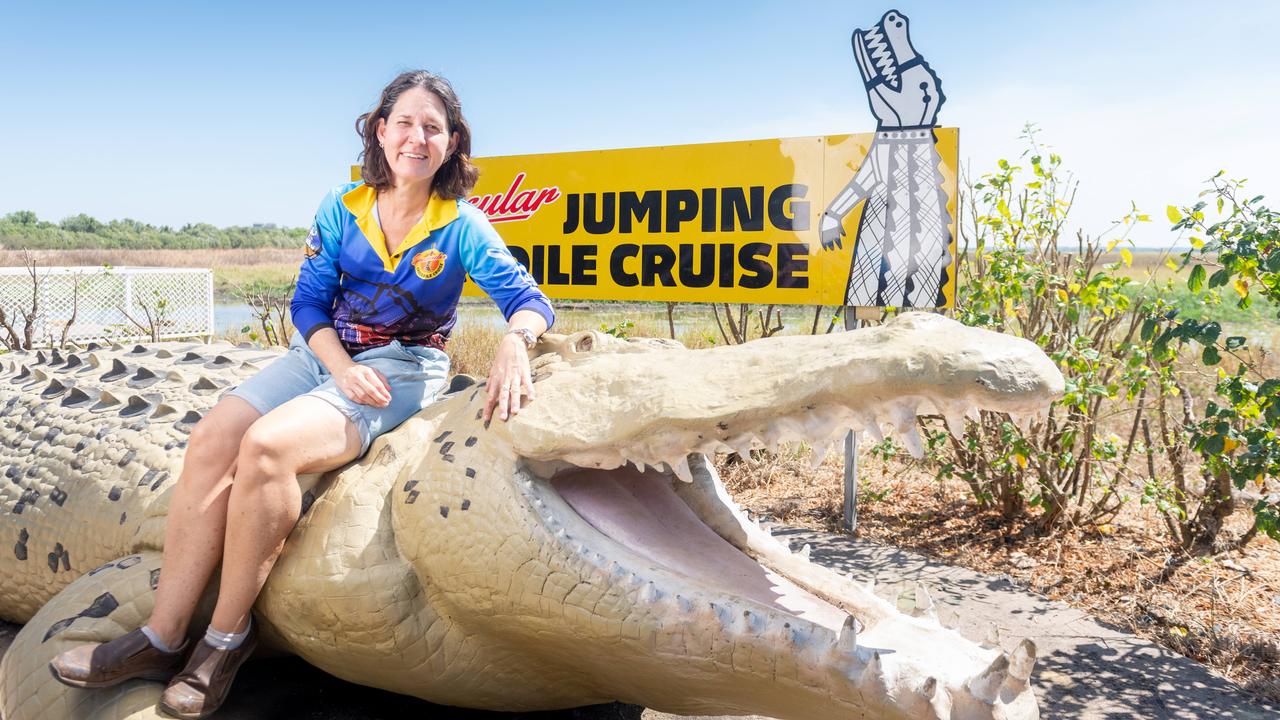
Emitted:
<point x="651" y="548"/>
<point x="645" y="513"/>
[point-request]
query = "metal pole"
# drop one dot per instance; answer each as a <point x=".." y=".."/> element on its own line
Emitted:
<point x="851" y="322"/>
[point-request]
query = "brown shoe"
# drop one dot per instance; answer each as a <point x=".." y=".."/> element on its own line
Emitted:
<point x="199" y="690"/>
<point x="100" y="665"/>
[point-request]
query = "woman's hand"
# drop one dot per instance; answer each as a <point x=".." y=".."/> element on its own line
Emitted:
<point x="364" y="385"/>
<point x="509" y="379"/>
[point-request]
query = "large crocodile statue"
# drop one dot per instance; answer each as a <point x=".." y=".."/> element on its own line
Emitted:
<point x="581" y="553"/>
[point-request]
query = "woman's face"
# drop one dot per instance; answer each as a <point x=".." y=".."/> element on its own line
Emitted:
<point x="415" y="137"/>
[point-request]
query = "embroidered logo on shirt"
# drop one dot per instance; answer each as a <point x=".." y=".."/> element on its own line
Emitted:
<point x="312" y="246"/>
<point x="429" y="263"/>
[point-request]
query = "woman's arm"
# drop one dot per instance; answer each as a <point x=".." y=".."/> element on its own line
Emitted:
<point x="509" y="377"/>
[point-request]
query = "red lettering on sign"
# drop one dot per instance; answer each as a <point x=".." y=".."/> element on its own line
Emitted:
<point x="516" y="203"/>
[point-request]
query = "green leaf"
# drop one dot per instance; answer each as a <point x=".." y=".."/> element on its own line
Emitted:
<point x="1213" y="445"/>
<point x="1210" y="355"/>
<point x="1208" y="333"/>
<point x="1220" y="278"/>
<point x="1148" y="329"/>
<point x="1196" y="281"/>
<point x="1235" y="341"/>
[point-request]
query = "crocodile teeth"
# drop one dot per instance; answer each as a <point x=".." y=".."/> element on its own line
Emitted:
<point x="741" y="445"/>
<point x="1022" y="661"/>
<point x="955" y="416"/>
<point x="873" y="429"/>
<point x="924" y="603"/>
<point x="991" y="638"/>
<point x="1023" y="422"/>
<point x="682" y="472"/>
<point x="848" y="638"/>
<point x="817" y="455"/>
<point x="986" y="685"/>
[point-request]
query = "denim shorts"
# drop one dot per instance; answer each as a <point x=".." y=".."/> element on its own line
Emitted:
<point x="416" y="374"/>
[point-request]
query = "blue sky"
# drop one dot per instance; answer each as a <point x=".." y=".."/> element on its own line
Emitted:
<point x="235" y="113"/>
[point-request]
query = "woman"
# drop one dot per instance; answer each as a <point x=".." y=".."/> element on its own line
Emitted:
<point x="376" y="299"/>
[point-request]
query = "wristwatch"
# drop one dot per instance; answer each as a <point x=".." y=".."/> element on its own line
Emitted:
<point x="526" y="335"/>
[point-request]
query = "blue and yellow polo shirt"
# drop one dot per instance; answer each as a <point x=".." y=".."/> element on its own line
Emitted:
<point x="349" y="282"/>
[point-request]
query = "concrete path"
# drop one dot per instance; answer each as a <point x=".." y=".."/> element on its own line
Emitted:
<point x="1086" y="670"/>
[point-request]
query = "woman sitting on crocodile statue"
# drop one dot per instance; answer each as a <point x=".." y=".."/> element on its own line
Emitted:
<point x="376" y="298"/>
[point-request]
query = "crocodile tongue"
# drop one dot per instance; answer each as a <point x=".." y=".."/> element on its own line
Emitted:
<point x="640" y="511"/>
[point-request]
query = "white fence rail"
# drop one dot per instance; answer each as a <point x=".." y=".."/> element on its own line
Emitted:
<point x="119" y="303"/>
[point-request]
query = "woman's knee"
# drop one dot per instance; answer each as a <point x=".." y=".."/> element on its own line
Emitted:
<point x="215" y="439"/>
<point x="265" y="452"/>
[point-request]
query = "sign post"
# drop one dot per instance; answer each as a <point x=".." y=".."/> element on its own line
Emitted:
<point x="851" y="322"/>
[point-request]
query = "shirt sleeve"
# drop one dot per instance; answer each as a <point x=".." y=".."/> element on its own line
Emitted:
<point x="312" y="305"/>
<point x="486" y="259"/>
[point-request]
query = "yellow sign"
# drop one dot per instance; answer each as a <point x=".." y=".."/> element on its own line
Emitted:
<point x="731" y="222"/>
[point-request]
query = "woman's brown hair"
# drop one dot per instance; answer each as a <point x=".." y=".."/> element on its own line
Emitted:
<point x="458" y="175"/>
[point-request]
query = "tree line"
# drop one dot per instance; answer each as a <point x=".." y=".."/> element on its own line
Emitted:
<point x="22" y="229"/>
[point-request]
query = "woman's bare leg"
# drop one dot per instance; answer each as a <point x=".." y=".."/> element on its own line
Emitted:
<point x="196" y="524"/>
<point x="304" y="435"/>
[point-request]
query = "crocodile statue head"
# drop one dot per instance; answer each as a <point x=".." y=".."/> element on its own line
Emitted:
<point x="583" y="552"/>
<point x="902" y="89"/>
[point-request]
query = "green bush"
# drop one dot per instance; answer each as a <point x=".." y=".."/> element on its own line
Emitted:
<point x="1125" y="424"/>
<point x="23" y="230"/>
<point x="1238" y="254"/>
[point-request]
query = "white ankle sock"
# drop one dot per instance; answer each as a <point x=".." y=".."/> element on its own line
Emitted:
<point x="226" y="641"/>
<point x="159" y="644"/>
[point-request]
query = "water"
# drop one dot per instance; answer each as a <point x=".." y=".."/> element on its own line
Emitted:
<point x="231" y="317"/>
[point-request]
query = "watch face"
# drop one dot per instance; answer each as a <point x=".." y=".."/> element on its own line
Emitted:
<point x="526" y="336"/>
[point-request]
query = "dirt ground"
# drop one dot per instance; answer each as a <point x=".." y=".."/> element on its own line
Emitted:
<point x="1223" y="611"/>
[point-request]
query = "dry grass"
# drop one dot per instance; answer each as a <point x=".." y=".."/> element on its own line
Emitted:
<point x="231" y="268"/>
<point x="1223" y="611"/>
<point x="214" y="258"/>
